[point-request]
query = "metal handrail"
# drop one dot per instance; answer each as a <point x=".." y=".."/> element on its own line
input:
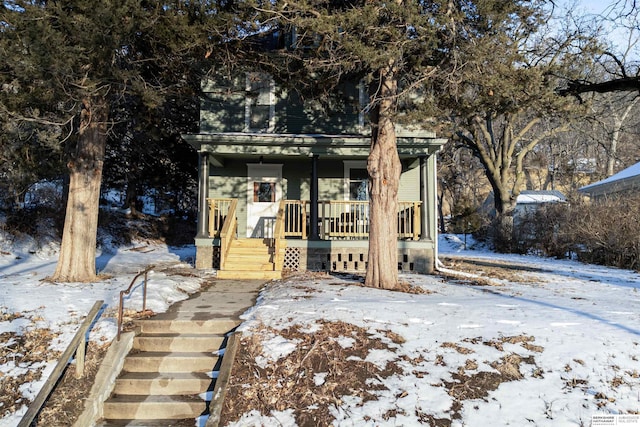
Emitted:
<point x="128" y="291"/>
<point x="77" y="346"/>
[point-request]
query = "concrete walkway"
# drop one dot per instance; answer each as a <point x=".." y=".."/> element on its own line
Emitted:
<point x="223" y="299"/>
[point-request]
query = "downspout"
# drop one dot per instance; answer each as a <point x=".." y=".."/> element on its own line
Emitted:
<point x="438" y="264"/>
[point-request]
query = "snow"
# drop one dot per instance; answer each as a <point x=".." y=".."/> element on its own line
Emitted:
<point x="630" y="172"/>
<point x="62" y="307"/>
<point x="581" y="324"/>
<point x="538" y="198"/>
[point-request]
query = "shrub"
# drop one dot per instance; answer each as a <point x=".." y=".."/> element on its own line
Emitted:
<point x="603" y="232"/>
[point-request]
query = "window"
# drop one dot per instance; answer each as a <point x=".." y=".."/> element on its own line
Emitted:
<point x="356" y="180"/>
<point x="260" y="103"/>
<point x="358" y="183"/>
<point x="264" y="192"/>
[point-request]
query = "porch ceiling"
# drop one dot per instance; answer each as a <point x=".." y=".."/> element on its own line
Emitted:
<point x="284" y="145"/>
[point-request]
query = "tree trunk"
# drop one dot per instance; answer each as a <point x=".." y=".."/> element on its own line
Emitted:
<point x="503" y="222"/>
<point x="77" y="261"/>
<point x="384" y="170"/>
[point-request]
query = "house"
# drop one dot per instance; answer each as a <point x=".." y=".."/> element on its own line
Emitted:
<point x="283" y="185"/>
<point x="625" y="181"/>
<point x="528" y="201"/>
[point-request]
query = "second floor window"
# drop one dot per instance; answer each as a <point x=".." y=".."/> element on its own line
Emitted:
<point x="260" y="103"/>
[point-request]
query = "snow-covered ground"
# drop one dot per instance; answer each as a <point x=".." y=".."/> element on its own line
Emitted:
<point x="576" y="328"/>
<point x="28" y="301"/>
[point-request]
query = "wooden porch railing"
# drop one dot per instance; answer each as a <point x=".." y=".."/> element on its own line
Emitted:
<point x="347" y="219"/>
<point x="218" y="211"/>
<point x="229" y="231"/>
<point x="337" y="219"/>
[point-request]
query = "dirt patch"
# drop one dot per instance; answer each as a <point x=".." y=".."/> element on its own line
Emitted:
<point x="495" y="270"/>
<point x="66" y="403"/>
<point x="357" y="280"/>
<point x="325" y="366"/>
<point x="28" y="351"/>
<point x="330" y="364"/>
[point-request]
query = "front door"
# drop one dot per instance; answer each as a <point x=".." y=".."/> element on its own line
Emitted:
<point x="264" y="191"/>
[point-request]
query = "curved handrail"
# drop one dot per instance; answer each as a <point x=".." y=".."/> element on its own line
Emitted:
<point x="128" y="291"/>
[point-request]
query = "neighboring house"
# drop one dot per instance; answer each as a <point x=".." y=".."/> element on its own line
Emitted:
<point x="286" y="184"/>
<point x="528" y="201"/>
<point x="625" y="181"/>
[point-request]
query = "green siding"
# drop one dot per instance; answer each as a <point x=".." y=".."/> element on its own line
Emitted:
<point x="223" y="109"/>
<point x="409" y="190"/>
<point x="231" y="182"/>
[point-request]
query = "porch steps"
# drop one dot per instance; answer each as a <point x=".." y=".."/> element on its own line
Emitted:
<point x="168" y="377"/>
<point x="251" y="259"/>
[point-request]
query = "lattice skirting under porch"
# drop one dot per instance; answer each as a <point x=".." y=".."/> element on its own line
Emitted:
<point x="351" y="260"/>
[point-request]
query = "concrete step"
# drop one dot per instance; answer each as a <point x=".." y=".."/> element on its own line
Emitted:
<point x="178" y="342"/>
<point x="153" y="383"/>
<point x="213" y="326"/>
<point x="248" y="274"/>
<point x="153" y="407"/>
<point x="170" y="362"/>
<point x="189" y="422"/>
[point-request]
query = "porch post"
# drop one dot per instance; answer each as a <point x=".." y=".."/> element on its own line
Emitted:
<point x="203" y="193"/>
<point x="313" y="196"/>
<point x="425" y="230"/>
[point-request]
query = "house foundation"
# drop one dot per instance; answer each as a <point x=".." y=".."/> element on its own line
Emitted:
<point x="331" y="256"/>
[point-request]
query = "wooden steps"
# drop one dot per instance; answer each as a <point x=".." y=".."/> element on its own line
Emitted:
<point x="251" y="259"/>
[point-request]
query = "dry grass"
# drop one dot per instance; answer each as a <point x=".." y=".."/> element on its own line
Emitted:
<point x="28" y="351"/>
<point x="291" y="382"/>
<point x="65" y="405"/>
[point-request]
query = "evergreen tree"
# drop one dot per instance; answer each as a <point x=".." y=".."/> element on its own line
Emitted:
<point x="67" y="62"/>
<point x="397" y="48"/>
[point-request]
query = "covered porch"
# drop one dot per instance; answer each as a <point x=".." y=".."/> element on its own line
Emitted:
<point x="294" y="194"/>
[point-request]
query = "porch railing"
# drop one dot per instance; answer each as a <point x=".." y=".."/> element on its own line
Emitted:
<point x="337" y="219"/>
<point x="218" y="211"/>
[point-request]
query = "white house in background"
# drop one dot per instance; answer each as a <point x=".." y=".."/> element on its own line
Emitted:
<point x="625" y="181"/>
<point x="528" y="201"/>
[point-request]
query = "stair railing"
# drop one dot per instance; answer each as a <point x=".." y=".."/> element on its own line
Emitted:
<point x="228" y="233"/>
<point x="127" y="291"/>
<point x="278" y="235"/>
<point x="77" y="346"/>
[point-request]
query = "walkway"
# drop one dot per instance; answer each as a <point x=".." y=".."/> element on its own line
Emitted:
<point x="223" y="299"/>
